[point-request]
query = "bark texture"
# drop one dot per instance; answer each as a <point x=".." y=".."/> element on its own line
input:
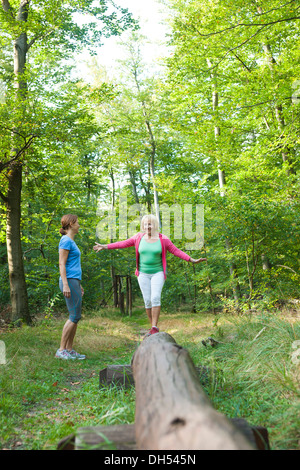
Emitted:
<point x="172" y="410"/>
<point x="18" y="292"/>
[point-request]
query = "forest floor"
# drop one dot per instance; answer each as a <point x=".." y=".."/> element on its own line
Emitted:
<point x="44" y="399"/>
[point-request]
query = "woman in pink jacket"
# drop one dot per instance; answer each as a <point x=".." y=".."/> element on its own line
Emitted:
<point x="150" y="248"/>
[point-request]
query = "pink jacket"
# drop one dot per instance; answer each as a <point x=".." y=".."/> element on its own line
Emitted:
<point x="166" y="245"/>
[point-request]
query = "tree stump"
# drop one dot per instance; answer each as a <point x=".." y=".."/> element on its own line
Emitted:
<point x="116" y="374"/>
<point x="172" y="410"/>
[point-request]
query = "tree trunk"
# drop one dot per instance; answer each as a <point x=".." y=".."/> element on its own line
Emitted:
<point x="153" y="152"/>
<point x="146" y="187"/>
<point x="112" y="268"/>
<point x="114" y="285"/>
<point x="172" y="410"/>
<point x="286" y="154"/>
<point x="215" y="103"/>
<point x="133" y="185"/>
<point x="18" y="291"/>
<point x="130" y="295"/>
<point x="152" y="172"/>
<point x="235" y="282"/>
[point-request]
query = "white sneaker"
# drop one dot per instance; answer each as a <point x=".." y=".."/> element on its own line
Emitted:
<point x="76" y="355"/>
<point x="64" y="354"/>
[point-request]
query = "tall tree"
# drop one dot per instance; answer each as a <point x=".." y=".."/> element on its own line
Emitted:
<point x="255" y="54"/>
<point x="142" y="93"/>
<point x="42" y="28"/>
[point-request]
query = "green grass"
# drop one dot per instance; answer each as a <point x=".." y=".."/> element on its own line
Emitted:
<point x="42" y="399"/>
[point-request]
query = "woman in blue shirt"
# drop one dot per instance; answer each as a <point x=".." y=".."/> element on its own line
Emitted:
<point x="70" y="284"/>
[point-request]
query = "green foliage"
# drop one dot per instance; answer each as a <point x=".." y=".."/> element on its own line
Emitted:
<point x="226" y="103"/>
<point x="90" y="143"/>
<point x="247" y="58"/>
<point x="51" y="124"/>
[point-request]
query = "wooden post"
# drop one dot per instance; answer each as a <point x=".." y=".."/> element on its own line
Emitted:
<point x="130" y="295"/>
<point x="120" y="294"/>
<point x="127" y="295"/>
<point x="114" y="286"/>
<point x="172" y="410"/>
<point x="125" y="305"/>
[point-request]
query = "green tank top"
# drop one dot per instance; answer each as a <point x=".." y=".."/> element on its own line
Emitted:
<point x="150" y="259"/>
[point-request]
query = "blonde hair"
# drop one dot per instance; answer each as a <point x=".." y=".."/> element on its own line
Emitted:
<point x="152" y="218"/>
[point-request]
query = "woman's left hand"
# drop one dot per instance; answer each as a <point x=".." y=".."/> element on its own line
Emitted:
<point x="82" y="291"/>
<point x="195" y="261"/>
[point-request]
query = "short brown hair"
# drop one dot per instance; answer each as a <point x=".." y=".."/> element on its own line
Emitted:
<point x="66" y="221"/>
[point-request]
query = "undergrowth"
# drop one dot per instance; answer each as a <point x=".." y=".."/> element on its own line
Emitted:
<point x="254" y="374"/>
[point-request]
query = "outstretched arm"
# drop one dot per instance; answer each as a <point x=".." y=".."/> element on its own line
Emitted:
<point x="113" y="246"/>
<point x="196" y="261"/>
<point x="180" y="254"/>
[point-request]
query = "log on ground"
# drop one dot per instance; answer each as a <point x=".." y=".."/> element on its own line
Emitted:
<point x="121" y="375"/>
<point x="172" y="410"/>
<point x="117" y="437"/>
<point x="122" y="437"/>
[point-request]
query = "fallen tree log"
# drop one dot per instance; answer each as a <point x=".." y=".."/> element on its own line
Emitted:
<point x="172" y="411"/>
<point x="122" y="437"/>
<point x="121" y="375"/>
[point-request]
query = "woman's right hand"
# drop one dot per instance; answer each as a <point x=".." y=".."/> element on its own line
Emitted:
<point x="99" y="247"/>
<point x="66" y="290"/>
<point x="196" y="261"/>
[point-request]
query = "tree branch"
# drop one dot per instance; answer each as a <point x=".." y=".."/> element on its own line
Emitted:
<point x="264" y="102"/>
<point x="236" y="47"/>
<point x="23" y="10"/>
<point x="253" y="24"/>
<point x="18" y="154"/>
<point x="242" y="62"/>
<point x="41" y="36"/>
<point x="7" y="7"/>
<point x="286" y="267"/>
<point x="13" y="131"/>
<point x="3" y="197"/>
<point x="245" y="24"/>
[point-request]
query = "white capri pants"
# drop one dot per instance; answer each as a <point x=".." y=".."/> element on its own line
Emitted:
<point x="151" y="286"/>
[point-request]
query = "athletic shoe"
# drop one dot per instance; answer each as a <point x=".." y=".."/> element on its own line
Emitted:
<point x="76" y="355"/>
<point x="64" y="354"/>
<point x="153" y="330"/>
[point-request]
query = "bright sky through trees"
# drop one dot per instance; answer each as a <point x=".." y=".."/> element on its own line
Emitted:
<point x="150" y="15"/>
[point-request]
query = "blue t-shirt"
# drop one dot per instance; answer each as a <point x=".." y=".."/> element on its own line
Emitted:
<point x="73" y="266"/>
